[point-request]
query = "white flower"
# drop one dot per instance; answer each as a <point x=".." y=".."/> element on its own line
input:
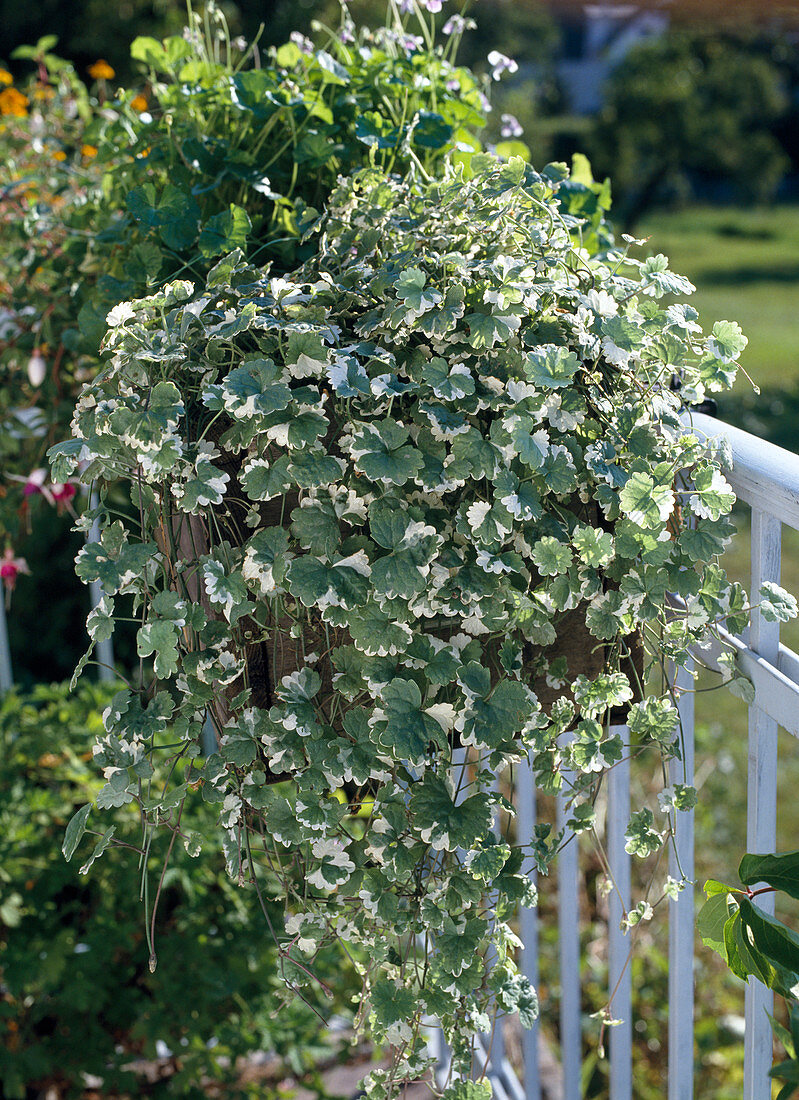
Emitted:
<point x="456" y="24"/>
<point x="500" y="64"/>
<point x="433" y="6"/>
<point x="511" y="127"/>
<point x="37" y="369"/>
<point x="304" y="44"/>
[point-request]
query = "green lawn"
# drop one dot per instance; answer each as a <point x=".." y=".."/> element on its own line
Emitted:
<point x="745" y="264"/>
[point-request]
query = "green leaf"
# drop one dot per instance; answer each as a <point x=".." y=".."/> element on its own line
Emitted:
<point x="313" y="469"/>
<point x="727" y="341"/>
<point x="595" y="547"/>
<point x="380" y="453"/>
<point x="316" y="526"/>
<point x="776" y="605"/>
<point x="607" y="690"/>
<point x="492" y="720"/>
<point x="224" y="232"/>
<point x="646" y="504"/>
<point x="205" y="488"/>
<point x="468" y="1090"/>
<point x="392" y="1003"/>
<point x="551" y="556"/>
<point x="444" y="823"/>
<point x="531" y="450"/>
<point x="161" y="638"/>
<point x="172" y="211"/>
<point x="457" y="946"/>
<point x="779" y="871"/>
<point x="263" y="480"/>
<point x="411" y="288"/>
<point x="150" y="51"/>
<point x="655" y="272"/>
<point x="488" y="862"/>
<point x="514" y="993"/>
<point x="75" y="830"/>
<point x="488" y="329"/>
<point x="431" y="131"/>
<point x="99" y="848"/>
<point x="711" y="920"/>
<point x="712" y="497"/>
<point x="654" y="719"/>
<point x="642" y="838"/>
<point x="409" y="730"/>
<point x="377" y="633"/>
<point x="337" y="585"/>
<point x="333" y="72"/>
<point x="376" y="131"/>
<point x="551" y="367"/>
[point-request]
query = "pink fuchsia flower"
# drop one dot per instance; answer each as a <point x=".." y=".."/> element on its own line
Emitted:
<point x="34" y="483"/>
<point x="10" y="568"/>
<point x="59" y="495"/>
<point x="501" y="64"/>
<point x="511" y="127"/>
<point x="63" y="494"/>
<point x="37" y="369"/>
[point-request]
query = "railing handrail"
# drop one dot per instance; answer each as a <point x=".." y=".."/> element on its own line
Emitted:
<point x="763" y="475"/>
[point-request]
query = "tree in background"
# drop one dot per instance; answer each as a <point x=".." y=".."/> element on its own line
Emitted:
<point x="691" y="106"/>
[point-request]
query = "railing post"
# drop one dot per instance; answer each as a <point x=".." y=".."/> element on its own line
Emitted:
<point x="620" y="986"/>
<point x="528" y="925"/>
<point x="569" y="943"/>
<point x="6" y="672"/>
<point x="104" y="648"/>
<point x="761" y="825"/>
<point x="681" y="908"/>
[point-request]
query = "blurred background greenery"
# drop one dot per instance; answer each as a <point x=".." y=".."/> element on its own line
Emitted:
<point x="692" y="110"/>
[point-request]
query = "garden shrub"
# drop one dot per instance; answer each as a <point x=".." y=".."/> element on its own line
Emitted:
<point x="76" y="995"/>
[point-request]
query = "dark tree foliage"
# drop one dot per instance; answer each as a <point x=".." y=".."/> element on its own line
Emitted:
<point x="692" y="107"/>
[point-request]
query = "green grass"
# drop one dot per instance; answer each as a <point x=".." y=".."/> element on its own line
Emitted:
<point x="745" y="265"/>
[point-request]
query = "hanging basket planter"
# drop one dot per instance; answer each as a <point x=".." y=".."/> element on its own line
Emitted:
<point x="424" y="494"/>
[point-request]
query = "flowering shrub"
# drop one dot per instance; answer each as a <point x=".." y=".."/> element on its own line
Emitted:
<point x="50" y="171"/>
<point x="369" y="495"/>
<point x="109" y="198"/>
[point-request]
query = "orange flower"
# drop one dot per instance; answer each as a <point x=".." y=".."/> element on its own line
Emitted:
<point x="101" y="70"/>
<point x="13" y="102"/>
<point x="89" y="150"/>
<point x="6" y="77"/>
<point x="139" y="103"/>
<point x="59" y="154"/>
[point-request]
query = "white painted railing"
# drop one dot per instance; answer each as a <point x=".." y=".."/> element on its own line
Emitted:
<point x="766" y="478"/>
